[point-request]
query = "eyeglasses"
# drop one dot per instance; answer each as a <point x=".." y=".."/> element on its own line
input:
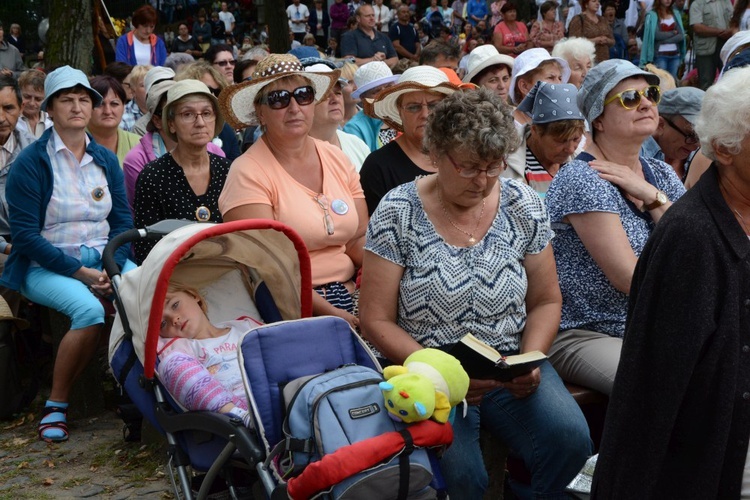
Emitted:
<point x="471" y="172"/>
<point x="227" y="62"/>
<point x="690" y="138"/>
<point x="192" y="116"/>
<point x="631" y="98"/>
<point x="415" y="108"/>
<point x="327" y="219"/>
<point x="280" y="99"/>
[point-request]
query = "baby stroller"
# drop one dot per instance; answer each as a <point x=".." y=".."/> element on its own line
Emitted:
<point x="255" y="268"/>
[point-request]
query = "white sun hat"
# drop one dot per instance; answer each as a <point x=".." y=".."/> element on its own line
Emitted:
<point x="483" y="57"/>
<point x="237" y="102"/>
<point x="529" y="60"/>
<point x="416" y="79"/>
<point x="372" y="75"/>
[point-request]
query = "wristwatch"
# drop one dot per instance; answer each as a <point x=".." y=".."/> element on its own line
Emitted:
<point x="661" y="199"/>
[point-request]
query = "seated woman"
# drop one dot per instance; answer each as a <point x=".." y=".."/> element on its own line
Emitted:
<point x="104" y="125"/>
<point x="186" y="182"/>
<point x="459" y="252"/>
<point x="680" y="430"/>
<point x="511" y="36"/>
<point x="547" y="30"/>
<point x="288" y="176"/>
<point x="66" y="199"/>
<point x="603" y="207"/>
<point x="552" y="138"/>
<point x="405" y="107"/>
<point x="489" y="69"/>
<point x="198" y="381"/>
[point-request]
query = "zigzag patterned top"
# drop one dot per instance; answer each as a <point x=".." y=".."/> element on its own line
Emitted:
<point x="448" y="291"/>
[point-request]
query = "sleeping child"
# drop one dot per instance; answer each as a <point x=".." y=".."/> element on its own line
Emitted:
<point x="197" y="359"/>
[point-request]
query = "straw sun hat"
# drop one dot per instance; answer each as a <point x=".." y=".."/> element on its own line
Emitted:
<point x="237" y="102"/>
<point x="416" y="79"/>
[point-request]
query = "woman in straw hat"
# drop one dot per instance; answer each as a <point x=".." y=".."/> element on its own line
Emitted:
<point x="291" y="177"/>
<point x="404" y="106"/>
<point x="464" y="251"/>
<point x="66" y="199"/>
<point x="186" y="182"/>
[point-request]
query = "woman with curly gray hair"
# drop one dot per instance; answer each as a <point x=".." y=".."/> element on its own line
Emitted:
<point x="463" y="252"/>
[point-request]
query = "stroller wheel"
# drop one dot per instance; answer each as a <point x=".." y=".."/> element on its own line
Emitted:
<point x="131" y="432"/>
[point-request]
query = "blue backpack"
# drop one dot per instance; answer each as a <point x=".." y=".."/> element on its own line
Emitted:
<point x="335" y="409"/>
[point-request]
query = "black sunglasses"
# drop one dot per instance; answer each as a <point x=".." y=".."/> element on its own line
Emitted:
<point x="280" y="99"/>
<point x="690" y="138"/>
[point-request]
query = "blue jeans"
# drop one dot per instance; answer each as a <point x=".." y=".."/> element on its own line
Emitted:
<point x="669" y="63"/>
<point x="66" y="294"/>
<point x="547" y="430"/>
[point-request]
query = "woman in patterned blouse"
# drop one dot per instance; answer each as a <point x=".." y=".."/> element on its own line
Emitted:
<point x="462" y="252"/>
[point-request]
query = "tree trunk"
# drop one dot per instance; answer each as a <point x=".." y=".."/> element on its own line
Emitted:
<point x="71" y="35"/>
<point x="278" y="26"/>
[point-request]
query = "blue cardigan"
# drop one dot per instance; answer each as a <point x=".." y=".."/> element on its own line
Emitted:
<point x="29" y="191"/>
<point x="124" y="51"/>
<point x="365" y="128"/>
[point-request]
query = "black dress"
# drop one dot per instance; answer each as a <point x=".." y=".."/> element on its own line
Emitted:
<point x="163" y="192"/>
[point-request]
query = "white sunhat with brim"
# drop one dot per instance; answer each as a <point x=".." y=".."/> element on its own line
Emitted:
<point x="416" y="79"/>
<point x="372" y="75"/>
<point x="237" y="102"/>
<point x="529" y="60"/>
<point x="186" y="88"/>
<point x="483" y="57"/>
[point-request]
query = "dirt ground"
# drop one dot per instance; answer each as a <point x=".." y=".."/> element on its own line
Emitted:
<point x="94" y="463"/>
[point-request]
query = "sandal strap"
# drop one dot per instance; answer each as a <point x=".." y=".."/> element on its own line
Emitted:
<point x="54" y="409"/>
<point x="60" y="425"/>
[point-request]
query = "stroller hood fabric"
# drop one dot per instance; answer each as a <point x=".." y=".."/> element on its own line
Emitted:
<point x="198" y="255"/>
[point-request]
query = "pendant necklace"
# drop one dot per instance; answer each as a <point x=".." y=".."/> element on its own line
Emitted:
<point x="472" y="240"/>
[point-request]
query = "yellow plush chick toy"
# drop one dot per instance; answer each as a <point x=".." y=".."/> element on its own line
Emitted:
<point x="407" y="393"/>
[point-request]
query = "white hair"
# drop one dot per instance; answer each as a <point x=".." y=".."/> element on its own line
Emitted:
<point x="725" y="114"/>
<point x="575" y="48"/>
<point x="255" y="54"/>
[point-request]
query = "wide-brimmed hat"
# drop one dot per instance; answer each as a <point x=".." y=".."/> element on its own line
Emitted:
<point x="372" y="75"/>
<point x="529" y="60"/>
<point x="65" y="78"/>
<point x="189" y="87"/>
<point x="551" y="102"/>
<point x="237" y="101"/>
<point x="7" y="314"/>
<point x="157" y="74"/>
<point x="416" y="79"/>
<point x="601" y="79"/>
<point x="154" y="95"/>
<point x="483" y="57"/>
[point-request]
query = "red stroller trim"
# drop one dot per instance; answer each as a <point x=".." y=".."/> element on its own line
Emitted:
<point x="349" y="460"/>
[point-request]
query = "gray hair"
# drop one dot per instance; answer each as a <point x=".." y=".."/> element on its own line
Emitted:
<point x="175" y="60"/>
<point x="256" y="54"/>
<point x="725" y="114"/>
<point x="475" y="121"/>
<point x="575" y="48"/>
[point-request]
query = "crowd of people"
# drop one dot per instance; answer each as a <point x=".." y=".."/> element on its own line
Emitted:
<point x="451" y="171"/>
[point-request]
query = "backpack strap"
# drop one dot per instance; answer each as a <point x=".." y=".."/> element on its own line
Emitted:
<point x="403" y="464"/>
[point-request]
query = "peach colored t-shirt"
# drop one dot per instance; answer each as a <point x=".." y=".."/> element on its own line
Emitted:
<point x="257" y="177"/>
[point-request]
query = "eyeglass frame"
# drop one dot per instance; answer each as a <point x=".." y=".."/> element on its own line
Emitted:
<point x="691" y="138"/>
<point x="461" y="170"/>
<point x="640" y="93"/>
<point x="202" y="114"/>
<point x="291" y="94"/>
<point x="430" y="107"/>
<point x="322" y="202"/>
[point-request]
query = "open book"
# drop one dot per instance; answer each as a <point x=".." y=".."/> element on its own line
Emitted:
<point x="483" y="362"/>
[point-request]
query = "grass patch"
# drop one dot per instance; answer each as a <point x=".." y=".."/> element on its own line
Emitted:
<point x="75" y="481"/>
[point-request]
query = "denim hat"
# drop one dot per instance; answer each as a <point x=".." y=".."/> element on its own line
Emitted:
<point x="683" y="101"/>
<point x="602" y="79"/>
<point x="65" y="78"/>
<point x="551" y="102"/>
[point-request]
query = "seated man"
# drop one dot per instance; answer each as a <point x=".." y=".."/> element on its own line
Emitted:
<point x="12" y="141"/>
<point x="674" y="141"/>
<point x="366" y="44"/>
<point x="440" y="54"/>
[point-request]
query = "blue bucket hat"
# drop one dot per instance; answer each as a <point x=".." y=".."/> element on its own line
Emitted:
<point x="65" y="78"/>
<point x="602" y="79"/>
<point x="551" y="102"/>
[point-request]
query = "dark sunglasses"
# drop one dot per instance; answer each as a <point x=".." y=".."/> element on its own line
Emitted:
<point x="631" y="98"/>
<point x="690" y="138"/>
<point x="280" y="99"/>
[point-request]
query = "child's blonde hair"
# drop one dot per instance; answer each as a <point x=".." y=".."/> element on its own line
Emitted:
<point x="193" y="292"/>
